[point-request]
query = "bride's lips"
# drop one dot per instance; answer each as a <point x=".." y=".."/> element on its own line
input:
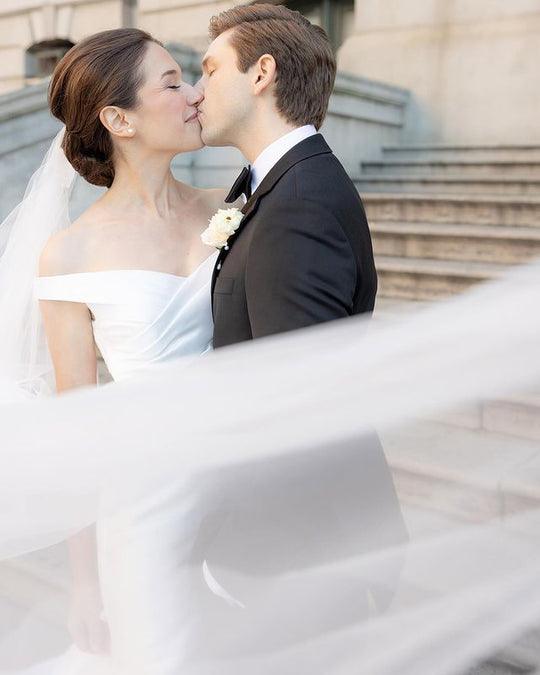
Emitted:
<point x="193" y="117"/>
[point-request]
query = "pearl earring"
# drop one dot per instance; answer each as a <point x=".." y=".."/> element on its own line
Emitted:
<point x="131" y="131"/>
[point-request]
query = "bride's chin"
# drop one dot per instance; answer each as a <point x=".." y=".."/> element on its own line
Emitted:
<point x="196" y="146"/>
<point x="190" y="145"/>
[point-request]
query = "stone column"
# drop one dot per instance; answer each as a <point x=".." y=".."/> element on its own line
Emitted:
<point x="472" y="67"/>
<point x="180" y="21"/>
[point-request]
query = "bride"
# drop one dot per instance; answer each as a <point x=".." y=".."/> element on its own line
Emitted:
<point x="163" y="582"/>
<point x="131" y="274"/>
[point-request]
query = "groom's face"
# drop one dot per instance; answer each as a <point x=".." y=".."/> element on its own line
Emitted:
<point x="228" y="101"/>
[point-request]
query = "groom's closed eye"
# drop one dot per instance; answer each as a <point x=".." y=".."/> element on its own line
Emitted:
<point x="208" y="66"/>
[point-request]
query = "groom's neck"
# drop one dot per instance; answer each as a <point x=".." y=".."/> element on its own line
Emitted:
<point x="265" y="129"/>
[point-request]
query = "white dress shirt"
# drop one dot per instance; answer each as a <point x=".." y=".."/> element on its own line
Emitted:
<point x="271" y="155"/>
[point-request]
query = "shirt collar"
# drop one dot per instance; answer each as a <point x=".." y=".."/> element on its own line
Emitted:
<point x="271" y="155"/>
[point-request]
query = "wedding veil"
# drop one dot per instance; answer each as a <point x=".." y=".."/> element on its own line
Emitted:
<point x="294" y="553"/>
<point x="25" y="364"/>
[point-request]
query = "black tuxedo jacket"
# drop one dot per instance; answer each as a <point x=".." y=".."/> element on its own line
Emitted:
<point x="302" y="254"/>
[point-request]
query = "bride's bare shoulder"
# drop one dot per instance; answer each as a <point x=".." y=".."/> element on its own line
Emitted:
<point x="66" y="252"/>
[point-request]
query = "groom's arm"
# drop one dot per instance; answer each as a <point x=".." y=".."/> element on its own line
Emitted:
<point x="300" y="270"/>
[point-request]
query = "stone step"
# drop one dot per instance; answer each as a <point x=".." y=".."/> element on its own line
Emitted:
<point x="428" y="279"/>
<point x="451" y="184"/>
<point x="439" y="466"/>
<point x="480" y="243"/>
<point x="517" y="415"/>
<point x="436" y="208"/>
<point x="391" y="309"/>
<point x="446" y="151"/>
<point x="472" y="168"/>
<point x="513" y="415"/>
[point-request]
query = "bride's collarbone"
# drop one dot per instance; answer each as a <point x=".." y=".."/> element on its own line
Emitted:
<point x="116" y="246"/>
<point x="101" y="241"/>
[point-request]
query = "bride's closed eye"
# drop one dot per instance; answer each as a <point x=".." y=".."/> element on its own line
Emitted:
<point x="174" y="86"/>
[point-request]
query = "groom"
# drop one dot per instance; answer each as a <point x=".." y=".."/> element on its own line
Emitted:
<point x="302" y="253"/>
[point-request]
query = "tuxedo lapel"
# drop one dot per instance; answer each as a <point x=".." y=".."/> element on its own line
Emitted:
<point x="314" y="145"/>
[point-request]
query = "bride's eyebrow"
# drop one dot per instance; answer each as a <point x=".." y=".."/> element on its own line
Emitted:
<point x="170" y="72"/>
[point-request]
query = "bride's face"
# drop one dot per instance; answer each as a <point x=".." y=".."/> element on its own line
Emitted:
<point x="166" y="118"/>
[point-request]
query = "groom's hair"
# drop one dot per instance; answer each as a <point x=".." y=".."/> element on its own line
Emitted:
<point x="306" y="65"/>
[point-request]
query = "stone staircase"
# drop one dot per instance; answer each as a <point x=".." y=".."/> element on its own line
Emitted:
<point x="445" y="217"/>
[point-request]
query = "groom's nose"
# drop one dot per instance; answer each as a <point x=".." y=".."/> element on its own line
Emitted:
<point x="195" y="95"/>
<point x="200" y="86"/>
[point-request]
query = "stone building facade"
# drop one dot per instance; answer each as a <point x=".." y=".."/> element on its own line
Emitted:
<point x="471" y="67"/>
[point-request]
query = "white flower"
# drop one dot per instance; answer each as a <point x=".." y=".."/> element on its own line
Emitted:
<point x="213" y="238"/>
<point x="224" y="223"/>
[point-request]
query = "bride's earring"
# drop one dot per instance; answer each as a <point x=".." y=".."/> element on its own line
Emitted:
<point x="131" y="131"/>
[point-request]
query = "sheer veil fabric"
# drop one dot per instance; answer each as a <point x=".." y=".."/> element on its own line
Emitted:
<point x="25" y="365"/>
<point x="296" y="553"/>
<point x="304" y="504"/>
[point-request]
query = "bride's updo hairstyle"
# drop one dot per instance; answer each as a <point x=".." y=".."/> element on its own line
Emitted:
<point x="101" y="70"/>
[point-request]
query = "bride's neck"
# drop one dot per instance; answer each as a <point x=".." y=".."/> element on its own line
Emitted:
<point x="147" y="187"/>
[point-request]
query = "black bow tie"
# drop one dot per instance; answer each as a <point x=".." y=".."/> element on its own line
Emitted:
<point x="242" y="186"/>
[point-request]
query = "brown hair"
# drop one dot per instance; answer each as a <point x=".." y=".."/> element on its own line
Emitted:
<point x="306" y="65"/>
<point x="103" y="69"/>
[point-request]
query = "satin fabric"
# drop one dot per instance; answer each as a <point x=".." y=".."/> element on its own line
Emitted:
<point x="141" y="317"/>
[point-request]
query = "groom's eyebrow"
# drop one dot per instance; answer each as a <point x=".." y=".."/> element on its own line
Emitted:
<point x="205" y="61"/>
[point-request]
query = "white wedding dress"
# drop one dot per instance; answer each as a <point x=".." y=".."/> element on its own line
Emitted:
<point x="141" y="318"/>
<point x="222" y="565"/>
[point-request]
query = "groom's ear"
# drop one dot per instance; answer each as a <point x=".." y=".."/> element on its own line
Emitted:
<point x="114" y="120"/>
<point x="265" y="73"/>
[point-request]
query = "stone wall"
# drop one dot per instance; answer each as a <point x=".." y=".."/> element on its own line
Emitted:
<point x="184" y="21"/>
<point x="27" y="22"/>
<point x="471" y="66"/>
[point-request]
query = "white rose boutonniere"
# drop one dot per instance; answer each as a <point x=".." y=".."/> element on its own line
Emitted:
<point x="224" y="223"/>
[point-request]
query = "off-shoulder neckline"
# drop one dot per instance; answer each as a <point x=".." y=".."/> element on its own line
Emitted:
<point x="130" y="271"/>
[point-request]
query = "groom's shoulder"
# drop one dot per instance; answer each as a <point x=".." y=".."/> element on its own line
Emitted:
<point x="322" y="178"/>
<point x="321" y="160"/>
<point x="312" y="166"/>
<point x="315" y="193"/>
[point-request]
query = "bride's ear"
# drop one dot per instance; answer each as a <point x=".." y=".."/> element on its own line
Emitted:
<point x="114" y="120"/>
